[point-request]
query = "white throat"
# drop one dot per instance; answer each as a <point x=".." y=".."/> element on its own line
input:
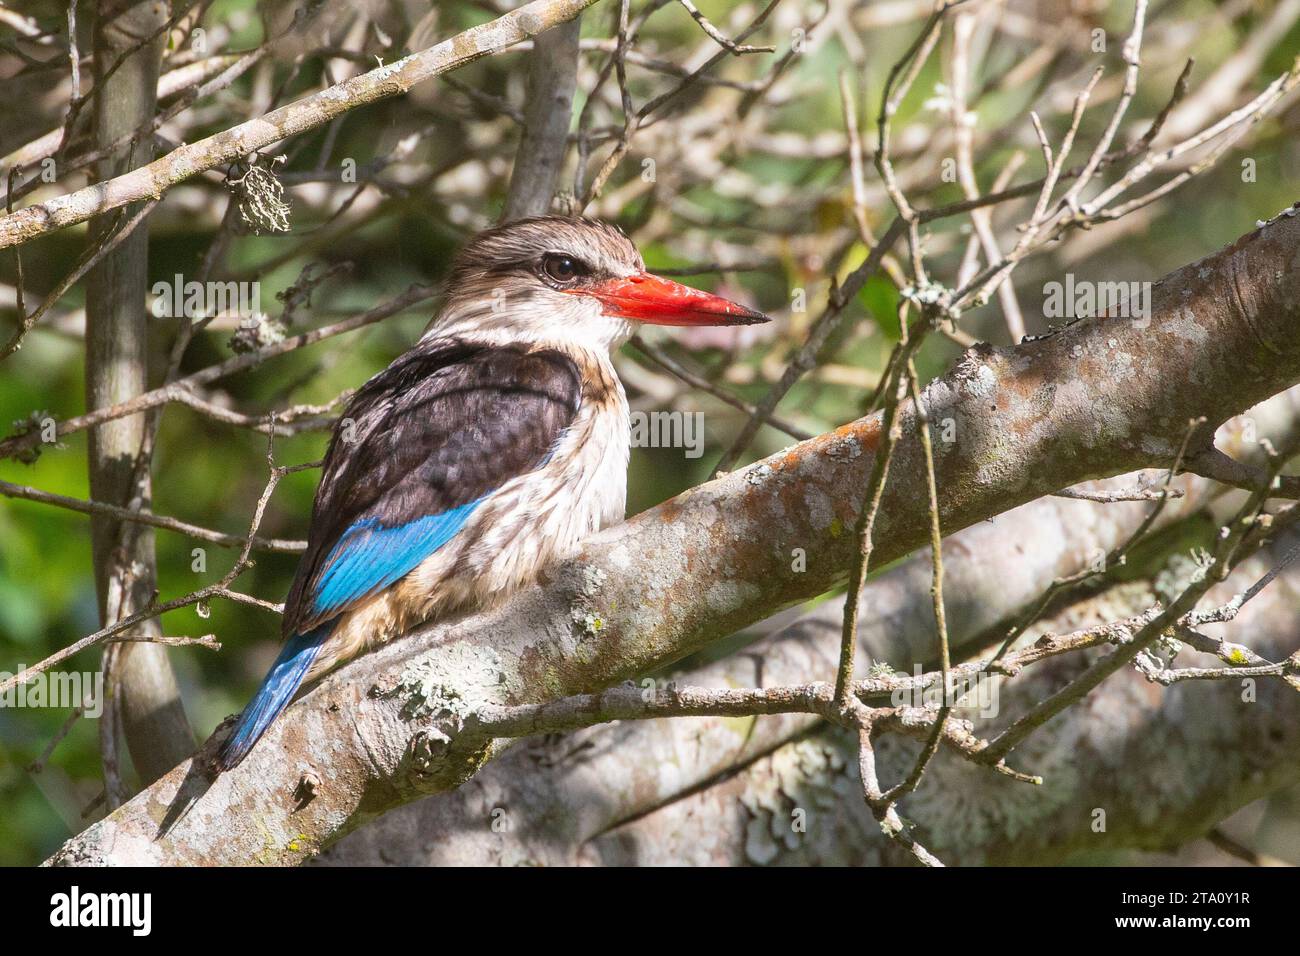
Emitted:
<point x="532" y="317"/>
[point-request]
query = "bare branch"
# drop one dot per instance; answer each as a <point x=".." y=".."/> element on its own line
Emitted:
<point x="729" y="45"/>
<point x="149" y="182"/>
<point x="11" y="490"/>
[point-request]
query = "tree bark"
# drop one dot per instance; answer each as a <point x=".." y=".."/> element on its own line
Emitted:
<point x="722" y="791"/>
<point x="552" y="78"/>
<point x="1133" y="767"/>
<point x="558" y="797"/>
<point x="117" y="365"/>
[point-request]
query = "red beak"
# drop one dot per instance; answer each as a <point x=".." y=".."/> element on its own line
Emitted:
<point x="648" y="298"/>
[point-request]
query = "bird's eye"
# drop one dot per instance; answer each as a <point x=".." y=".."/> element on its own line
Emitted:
<point x="563" y="270"/>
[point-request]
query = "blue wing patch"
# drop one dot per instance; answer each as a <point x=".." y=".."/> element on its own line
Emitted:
<point x="369" y="557"/>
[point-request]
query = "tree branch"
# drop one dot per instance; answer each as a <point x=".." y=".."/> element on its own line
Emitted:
<point x="552" y="78"/>
<point x="561" y="796"/>
<point x="1176" y="763"/>
<point x="153" y="180"/>
<point x="138" y="676"/>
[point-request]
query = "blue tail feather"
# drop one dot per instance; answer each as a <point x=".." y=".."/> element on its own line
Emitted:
<point x="278" y="688"/>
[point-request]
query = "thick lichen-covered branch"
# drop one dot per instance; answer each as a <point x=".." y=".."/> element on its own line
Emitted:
<point x="1138" y="767"/>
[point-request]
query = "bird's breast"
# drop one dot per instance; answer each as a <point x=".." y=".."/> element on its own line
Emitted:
<point x="541" y="516"/>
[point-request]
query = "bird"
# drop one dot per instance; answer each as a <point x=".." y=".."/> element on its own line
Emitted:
<point x="487" y="451"/>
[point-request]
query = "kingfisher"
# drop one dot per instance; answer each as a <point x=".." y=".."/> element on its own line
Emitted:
<point x="486" y="452"/>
